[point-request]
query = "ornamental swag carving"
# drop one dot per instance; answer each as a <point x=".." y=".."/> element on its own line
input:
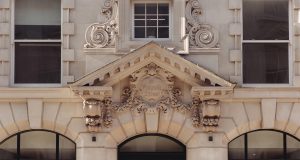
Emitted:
<point x="103" y="35"/>
<point x="200" y="35"/>
<point x="152" y="89"/>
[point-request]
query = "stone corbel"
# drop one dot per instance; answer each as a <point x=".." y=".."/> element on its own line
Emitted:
<point x="102" y="36"/>
<point x="206" y="114"/>
<point x="96" y="106"/>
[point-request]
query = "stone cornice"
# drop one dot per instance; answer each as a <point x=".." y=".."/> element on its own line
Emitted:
<point x="152" y="53"/>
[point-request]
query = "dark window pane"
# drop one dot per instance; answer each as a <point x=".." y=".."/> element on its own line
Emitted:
<point x="265" y="63"/>
<point x="38" y="145"/>
<point x="139" y="23"/>
<point x="67" y="149"/>
<point x="8" y="149"/>
<point x="265" y="19"/>
<point x="139" y="32"/>
<point x="139" y="8"/>
<point x="236" y="149"/>
<point x="152" y="23"/>
<point x="163" y="20"/>
<point x="139" y="17"/>
<point x="163" y="32"/>
<point x="265" y="145"/>
<point x="151" y="8"/>
<point x="163" y="8"/>
<point x="37" y="62"/>
<point x="41" y="23"/>
<point x="292" y="148"/>
<point x="151" y="32"/>
<point x="37" y="31"/>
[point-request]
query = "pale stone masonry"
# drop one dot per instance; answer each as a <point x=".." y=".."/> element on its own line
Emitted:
<point x="100" y="58"/>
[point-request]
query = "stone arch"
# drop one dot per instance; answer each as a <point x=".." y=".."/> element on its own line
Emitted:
<point x="290" y="127"/>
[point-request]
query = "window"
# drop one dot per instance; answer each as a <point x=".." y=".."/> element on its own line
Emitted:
<point x="151" y="20"/>
<point x="151" y="147"/>
<point x="265" y="41"/>
<point x="37" y="42"/>
<point x="264" y="145"/>
<point x="37" y="145"/>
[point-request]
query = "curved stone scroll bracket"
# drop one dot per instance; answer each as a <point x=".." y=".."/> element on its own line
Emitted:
<point x="103" y="35"/>
<point x="200" y="35"/>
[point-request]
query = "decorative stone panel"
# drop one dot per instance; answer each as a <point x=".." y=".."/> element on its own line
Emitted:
<point x="68" y="30"/>
<point x="235" y="30"/>
<point x="296" y="42"/>
<point x="4" y="42"/>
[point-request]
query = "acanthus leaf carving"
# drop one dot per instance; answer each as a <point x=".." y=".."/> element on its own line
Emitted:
<point x="103" y="35"/>
<point x="151" y="88"/>
<point x="200" y="35"/>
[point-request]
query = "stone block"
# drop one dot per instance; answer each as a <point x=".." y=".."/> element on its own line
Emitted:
<point x="297" y="81"/>
<point x="297" y="29"/>
<point x="164" y="121"/>
<point x="235" y="55"/>
<point x="4" y="3"/>
<point x="68" y="28"/>
<point x="76" y="126"/>
<point x="7" y="118"/>
<point x="4" y="81"/>
<point x="282" y="115"/>
<point x="253" y="110"/>
<point x="20" y="114"/>
<point x="236" y="79"/>
<point x="68" y="79"/>
<point x="139" y="122"/>
<point x="49" y="115"/>
<point x="4" y="55"/>
<point x="297" y="4"/>
<point x="268" y="107"/>
<point x="152" y="122"/>
<point x="235" y="29"/>
<point x="235" y="4"/>
<point x="4" y="29"/>
<point x="68" y="4"/>
<point x="68" y="55"/>
<point x="35" y="109"/>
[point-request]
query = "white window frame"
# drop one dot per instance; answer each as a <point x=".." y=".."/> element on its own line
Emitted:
<point x="13" y="41"/>
<point x="290" y="53"/>
<point x="151" y="39"/>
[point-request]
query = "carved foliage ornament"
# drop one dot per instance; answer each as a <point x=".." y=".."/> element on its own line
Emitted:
<point x="151" y="89"/>
<point x="200" y="35"/>
<point x="103" y="35"/>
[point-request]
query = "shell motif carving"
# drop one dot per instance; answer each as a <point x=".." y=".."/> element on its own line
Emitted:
<point x="103" y="35"/>
<point x="200" y="35"/>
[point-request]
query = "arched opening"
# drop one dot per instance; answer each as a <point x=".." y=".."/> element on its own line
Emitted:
<point x="264" y="145"/>
<point x="151" y="147"/>
<point x="37" y="145"/>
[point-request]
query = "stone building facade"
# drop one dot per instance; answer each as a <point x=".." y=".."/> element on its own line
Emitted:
<point x="199" y="71"/>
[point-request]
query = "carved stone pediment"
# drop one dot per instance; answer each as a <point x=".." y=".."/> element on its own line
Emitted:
<point x="152" y="75"/>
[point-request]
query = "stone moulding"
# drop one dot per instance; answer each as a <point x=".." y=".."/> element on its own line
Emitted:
<point x="201" y="35"/>
<point x="151" y="72"/>
<point x="102" y="36"/>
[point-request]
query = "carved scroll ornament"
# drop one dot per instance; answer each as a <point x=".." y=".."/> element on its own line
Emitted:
<point x="103" y="35"/>
<point x="200" y="35"/>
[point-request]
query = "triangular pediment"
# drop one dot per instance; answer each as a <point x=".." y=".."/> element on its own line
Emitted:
<point x="183" y="69"/>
